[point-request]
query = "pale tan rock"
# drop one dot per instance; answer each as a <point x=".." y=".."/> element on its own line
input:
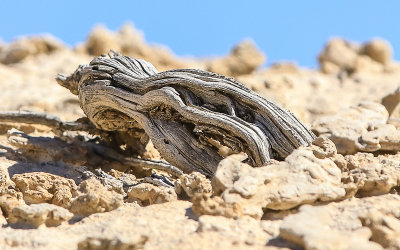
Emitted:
<point x="130" y="41"/>
<point x="101" y="41"/>
<point x="359" y="128"/>
<point x="39" y="187"/>
<point x="366" y="64"/>
<point x="384" y="137"/>
<point x="392" y="101"/>
<point x="301" y="178"/>
<point x="165" y="225"/>
<point x="337" y="225"/>
<point x="192" y="184"/>
<point x="27" y="46"/>
<point x="340" y="53"/>
<point x="99" y="243"/>
<point x="243" y="59"/>
<point x="203" y="204"/>
<point x="392" y="104"/>
<point x="148" y="194"/>
<point x="385" y="229"/>
<point x="95" y="198"/>
<point x="36" y="215"/>
<point x="373" y="175"/>
<point x="379" y="50"/>
<point x="8" y="201"/>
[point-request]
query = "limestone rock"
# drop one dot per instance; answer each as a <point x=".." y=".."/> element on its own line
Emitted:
<point x="373" y="175"/>
<point x="164" y="225"/>
<point x="379" y="50"/>
<point x="40" y="187"/>
<point x="203" y="204"/>
<point x="100" y="41"/>
<point x="27" y="46"/>
<point x="385" y="229"/>
<point x="243" y="59"/>
<point x="392" y="104"/>
<point x="129" y="41"/>
<point x="95" y="198"/>
<point x="340" y="53"/>
<point x="359" y="128"/>
<point x="193" y="183"/>
<point x="36" y="215"/>
<point x="148" y="194"/>
<point x="301" y="178"/>
<point x="8" y="202"/>
<point x="338" y="225"/>
<point x="99" y="243"/>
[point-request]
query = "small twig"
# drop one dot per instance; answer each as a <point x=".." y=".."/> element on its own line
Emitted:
<point x="45" y="119"/>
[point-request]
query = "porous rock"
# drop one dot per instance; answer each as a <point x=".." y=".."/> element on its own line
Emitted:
<point x="36" y="215"/>
<point x="244" y="58"/>
<point x="372" y="175"/>
<point x="95" y="198"/>
<point x="27" y="46"/>
<point x="385" y="229"/>
<point x="148" y="194"/>
<point x="338" y="225"/>
<point x="301" y="178"/>
<point x="379" y="50"/>
<point x="359" y="128"/>
<point x="204" y="204"/>
<point x="193" y="183"/>
<point x="104" y="243"/>
<point x="40" y="187"/>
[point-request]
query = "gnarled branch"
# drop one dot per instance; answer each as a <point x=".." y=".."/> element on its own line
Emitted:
<point x="187" y="113"/>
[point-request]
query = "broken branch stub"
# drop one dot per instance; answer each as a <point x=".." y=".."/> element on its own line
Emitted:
<point x="188" y="114"/>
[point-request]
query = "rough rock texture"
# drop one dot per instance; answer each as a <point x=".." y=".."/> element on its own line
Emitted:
<point x="301" y="178"/>
<point x="372" y="175"/>
<point x="45" y="187"/>
<point x="148" y="194"/>
<point x="203" y="204"/>
<point x="360" y="128"/>
<point x="29" y="46"/>
<point x="243" y="59"/>
<point x="94" y="198"/>
<point x="339" y="225"/>
<point x="338" y="193"/>
<point x="36" y="215"/>
<point x="341" y="55"/>
<point x="192" y="184"/>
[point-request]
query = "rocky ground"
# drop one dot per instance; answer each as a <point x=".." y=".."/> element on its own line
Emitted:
<point x="342" y="192"/>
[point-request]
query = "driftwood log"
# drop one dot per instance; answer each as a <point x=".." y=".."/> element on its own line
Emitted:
<point x="190" y="115"/>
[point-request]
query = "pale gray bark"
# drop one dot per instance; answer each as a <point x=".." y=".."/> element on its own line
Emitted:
<point x="187" y="113"/>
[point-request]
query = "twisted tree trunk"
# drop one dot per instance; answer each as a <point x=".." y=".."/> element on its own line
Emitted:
<point x="190" y="115"/>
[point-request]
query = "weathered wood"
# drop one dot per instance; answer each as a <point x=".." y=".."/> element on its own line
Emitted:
<point x="187" y="113"/>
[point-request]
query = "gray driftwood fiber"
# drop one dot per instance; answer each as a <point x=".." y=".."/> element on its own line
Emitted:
<point x="187" y="113"/>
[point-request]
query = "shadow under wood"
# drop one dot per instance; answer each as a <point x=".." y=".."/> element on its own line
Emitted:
<point x="45" y="154"/>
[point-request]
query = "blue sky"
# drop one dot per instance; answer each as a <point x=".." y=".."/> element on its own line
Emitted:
<point x="284" y="30"/>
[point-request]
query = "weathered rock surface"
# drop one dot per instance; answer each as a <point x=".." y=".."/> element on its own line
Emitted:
<point x="360" y="128"/>
<point x="301" y="178"/>
<point x="243" y="59"/>
<point x="95" y="198"/>
<point x="341" y="55"/>
<point x="39" y="187"/>
<point x="148" y="194"/>
<point x="42" y="164"/>
<point x="36" y="215"/>
<point x="192" y="184"/>
<point x="338" y="225"/>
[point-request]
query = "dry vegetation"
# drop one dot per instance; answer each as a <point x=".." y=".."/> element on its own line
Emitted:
<point x="63" y="189"/>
